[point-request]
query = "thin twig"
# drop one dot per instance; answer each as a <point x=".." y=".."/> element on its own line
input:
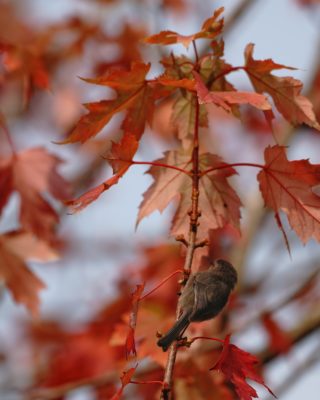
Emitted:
<point x="161" y="165"/>
<point x="207" y="171"/>
<point x="195" y="51"/>
<point x="178" y="271"/>
<point x="241" y="9"/>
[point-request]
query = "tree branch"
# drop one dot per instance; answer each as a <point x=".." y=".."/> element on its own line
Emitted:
<point x="166" y="393"/>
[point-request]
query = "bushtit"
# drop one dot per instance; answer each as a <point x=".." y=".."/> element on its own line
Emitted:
<point x="203" y="297"/>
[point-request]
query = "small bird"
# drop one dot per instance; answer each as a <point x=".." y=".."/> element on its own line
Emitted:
<point x="203" y="297"/>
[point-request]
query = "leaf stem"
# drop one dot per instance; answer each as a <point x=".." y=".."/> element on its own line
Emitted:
<point x="206" y="338"/>
<point x="195" y="51"/>
<point x="146" y="382"/>
<point x="223" y="166"/>
<point x="156" y="164"/>
<point x="226" y="72"/>
<point x="178" y="271"/>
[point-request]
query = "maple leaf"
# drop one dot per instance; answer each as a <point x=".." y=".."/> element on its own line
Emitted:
<point x="125" y="380"/>
<point x="287" y="186"/>
<point x="84" y="353"/>
<point x="120" y="158"/>
<point x="33" y="173"/>
<point x="308" y="3"/>
<point x="183" y="83"/>
<point x="23" y="53"/>
<point x="24" y="285"/>
<point x="237" y="365"/>
<point x="226" y="99"/>
<point x="28" y="247"/>
<point x="218" y="202"/>
<point x="177" y="69"/>
<point x="184" y="116"/>
<point x="213" y="69"/>
<point x="285" y="91"/>
<point x="192" y="382"/>
<point x="30" y="54"/>
<point x="134" y="95"/>
<point x="279" y="341"/>
<point x="26" y="62"/>
<point x="210" y="29"/>
<point x="178" y="74"/>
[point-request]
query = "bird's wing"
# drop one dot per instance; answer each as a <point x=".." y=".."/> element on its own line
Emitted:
<point x="208" y="300"/>
<point x="200" y="298"/>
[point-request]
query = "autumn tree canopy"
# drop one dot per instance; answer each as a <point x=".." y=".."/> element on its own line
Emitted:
<point x="230" y="154"/>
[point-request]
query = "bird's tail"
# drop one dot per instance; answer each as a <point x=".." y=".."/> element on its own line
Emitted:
<point x="174" y="333"/>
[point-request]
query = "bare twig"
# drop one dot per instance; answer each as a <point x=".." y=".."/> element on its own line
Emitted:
<point x="241" y="9"/>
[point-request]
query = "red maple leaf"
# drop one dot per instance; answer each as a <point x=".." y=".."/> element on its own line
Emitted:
<point x="288" y="186"/>
<point x="27" y="62"/>
<point x="135" y="95"/>
<point x="183" y="117"/>
<point x="15" y="248"/>
<point x="178" y="75"/>
<point x="238" y="365"/>
<point x="218" y="202"/>
<point x="125" y="380"/>
<point x="33" y="173"/>
<point x="308" y="3"/>
<point x="130" y="341"/>
<point x="285" y="91"/>
<point x="120" y="158"/>
<point x="279" y="341"/>
<point x="211" y="28"/>
<point x="226" y="99"/>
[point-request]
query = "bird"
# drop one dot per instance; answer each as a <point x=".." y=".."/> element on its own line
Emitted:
<point x="203" y="298"/>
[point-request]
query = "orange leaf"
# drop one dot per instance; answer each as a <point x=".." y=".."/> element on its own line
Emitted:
<point x="193" y="383"/>
<point x="135" y="96"/>
<point x="23" y="284"/>
<point x="226" y="99"/>
<point x="28" y="247"/>
<point x="91" y="195"/>
<point x="287" y="186"/>
<point x="130" y="342"/>
<point x="279" y="340"/>
<point x="183" y="83"/>
<point x="210" y="29"/>
<point x="218" y="202"/>
<point x="125" y="380"/>
<point x="27" y="63"/>
<point x="237" y="365"/>
<point x="285" y="91"/>
<point x="32" y="173"/>
<point x="123" y="80"/>
<point x="6" y="182"/>
<point x="121" y="154"/>
<point x="183" y="117"/>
